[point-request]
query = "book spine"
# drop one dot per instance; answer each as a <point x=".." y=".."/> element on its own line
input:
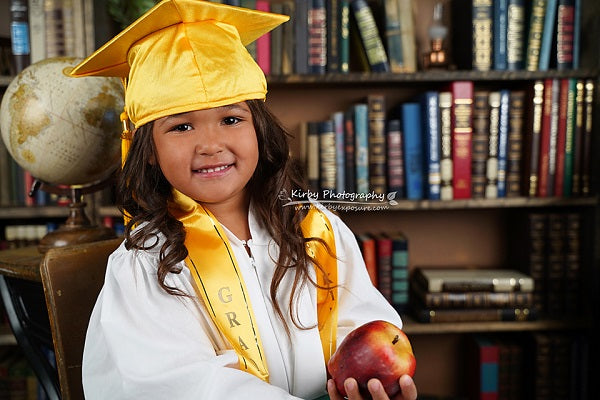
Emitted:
<point x="327" y="161"/>
<point x="350" y="157"/>
<point x="290" y="30"/>
<point x="515" y="143"/>
<point x="547" y="35"/>
<point x="483" y="366"/>
<point x="301" y="8"/>
<point x="535" y="138"/>
<point x="483" y="12"/>
<point x="400" y="273"/>
<point x="276" y="45"/>
<point x="413" y="150"/>
<point x="408" y="35"/>
<point x="446" y="168"/>
<point x="544" y="151"/>
<point x="361" y="132"/>
<point x="569" y="138"/>
<point x="481" y="133"/>
<point x="491" y="188"/>
<point x="19" y="35"/>
<point x="431" y="119"/>
<point x="369" y="253"/>
<point x="534" y="37"/>
<point x="312" y="155"/>
<point x="564" y="34"/>
<point x="340" y="153"/>
<point x="587" y="138"/>
<point x="573" y="283"/>
<point x="333" y="22"/>
<point x="477" y="299"/>
<point x="317" y="37"/>
<point x="384" y="266"/>
<point x="37" y="30"/>
<point x="561" y="139"/>
<point x="555" y="272"/>
<point x="395" y="158"/>
<point x="344" y="37"/>
<point x="377" y="150"/>
<point x="462" y="113"/>
<point x="503" y="141"/>
<point x="515" y="42"/>
<point x="578" y="136"/>
<point x="369" y="34"/>
<point x="552" y="151"/>
<point x="576" y="32"/>
<point x="536" y="257"/>
<point x="263" y="43"/>
<point x="500" y="36"/>
<point x="393" y="36"/>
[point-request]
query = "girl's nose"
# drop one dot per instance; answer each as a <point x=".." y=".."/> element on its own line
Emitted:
<point x="208" y="142"/>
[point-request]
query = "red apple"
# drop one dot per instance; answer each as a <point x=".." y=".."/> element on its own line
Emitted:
<point x="377" y="349"/>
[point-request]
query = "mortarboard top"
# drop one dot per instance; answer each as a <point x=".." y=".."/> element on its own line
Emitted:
<point x="184" y="55"/>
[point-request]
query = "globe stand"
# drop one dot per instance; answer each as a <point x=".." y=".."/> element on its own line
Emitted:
<point x="77" y="228"/>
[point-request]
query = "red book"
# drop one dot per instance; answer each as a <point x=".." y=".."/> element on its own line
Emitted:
<point x="384" y="265"/>
<point x="263" y="43"/>
<point x="561" y="138"/>
<point x="462" y="135"/>
<point x="369" y="253"/>
<point x="543" y="168"/>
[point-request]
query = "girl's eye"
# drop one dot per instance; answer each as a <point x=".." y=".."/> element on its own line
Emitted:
<point x="231" y="120"/>
<point x="181" y="128"/>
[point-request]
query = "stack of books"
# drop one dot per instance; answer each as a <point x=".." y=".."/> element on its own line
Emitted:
<point x="469" y="295"/>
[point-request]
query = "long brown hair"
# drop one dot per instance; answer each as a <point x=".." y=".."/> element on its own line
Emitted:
<point x="143" y="193"/>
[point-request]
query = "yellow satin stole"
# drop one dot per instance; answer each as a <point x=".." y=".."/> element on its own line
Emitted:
<point x="220" y="284"/>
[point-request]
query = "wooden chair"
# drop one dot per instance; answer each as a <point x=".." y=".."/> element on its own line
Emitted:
<point x="72" y="278"/>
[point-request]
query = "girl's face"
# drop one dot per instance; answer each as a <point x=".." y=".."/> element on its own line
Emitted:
<point x="208" y="155"/>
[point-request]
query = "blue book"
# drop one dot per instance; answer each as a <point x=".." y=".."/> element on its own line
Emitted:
<point x="338" y="127"/>
<point x="432" y="136"/>
<point x="400" y="274"/>
<point x="547" y="35"/>
<point x="503" y="141"/>
<point x="500" y="36"/>
<point x="361" y="147"/>
<point x="516" y="41"/>
<point x="413" y="150"/>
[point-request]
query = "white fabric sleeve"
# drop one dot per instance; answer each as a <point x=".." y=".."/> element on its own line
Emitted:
<point x="143" y="343"/>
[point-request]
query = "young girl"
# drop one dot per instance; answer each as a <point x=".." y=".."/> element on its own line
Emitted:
<point x="219" y="290"/>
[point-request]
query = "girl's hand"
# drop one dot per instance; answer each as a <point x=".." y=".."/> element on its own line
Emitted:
<point x="408" y="390"/>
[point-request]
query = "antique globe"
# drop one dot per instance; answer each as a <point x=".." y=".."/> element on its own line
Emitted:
<point x="66" y="132"/>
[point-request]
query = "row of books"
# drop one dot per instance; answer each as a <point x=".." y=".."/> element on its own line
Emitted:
<point x="460" y="142"/>
<point x="386" y="259"/>
<point x="527" y="366"/>
<point x="336" y="36"/>
<point x="516" y="34"/>
<point x="553" y="253"/>
<point x="452" y="295"/>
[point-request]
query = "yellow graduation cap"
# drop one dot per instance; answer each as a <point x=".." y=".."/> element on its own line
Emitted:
<point x="184" y="55"/>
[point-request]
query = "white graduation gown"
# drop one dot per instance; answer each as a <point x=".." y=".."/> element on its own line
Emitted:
<point x="143" y="343"/>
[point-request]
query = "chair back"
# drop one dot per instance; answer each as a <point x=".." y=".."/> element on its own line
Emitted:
<point x="72" y="278"/>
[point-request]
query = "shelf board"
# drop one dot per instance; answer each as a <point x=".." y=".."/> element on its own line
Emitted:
<point x="411" y="327"/>
<point x="425" y="76"/>
<point x="34" y="212"/>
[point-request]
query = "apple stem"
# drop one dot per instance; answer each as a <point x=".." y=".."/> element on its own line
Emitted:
<point x="396" y="339"/>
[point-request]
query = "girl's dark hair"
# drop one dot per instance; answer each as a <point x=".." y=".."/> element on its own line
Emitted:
<point x="143" y="193"/>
